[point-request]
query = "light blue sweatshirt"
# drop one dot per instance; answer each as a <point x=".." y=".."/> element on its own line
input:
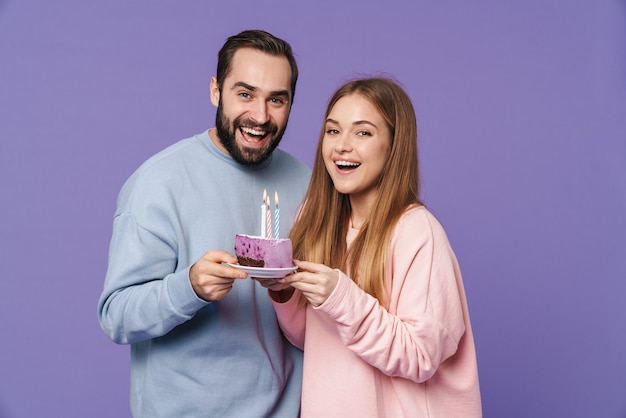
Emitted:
<point x="191" y="358"/>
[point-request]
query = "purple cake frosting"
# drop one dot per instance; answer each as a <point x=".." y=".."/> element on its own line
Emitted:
<point x="261" y="252"/>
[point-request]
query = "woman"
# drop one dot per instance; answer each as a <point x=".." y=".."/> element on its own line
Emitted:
<point x="378" y="306"/>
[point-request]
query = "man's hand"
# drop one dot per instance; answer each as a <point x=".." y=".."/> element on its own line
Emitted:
<point x="212" y="280"/>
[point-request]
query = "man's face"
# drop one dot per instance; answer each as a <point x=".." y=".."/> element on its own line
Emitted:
<point x="253" y="105"/>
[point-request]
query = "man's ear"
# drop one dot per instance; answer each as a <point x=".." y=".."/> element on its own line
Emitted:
<point x="215" y="92"/>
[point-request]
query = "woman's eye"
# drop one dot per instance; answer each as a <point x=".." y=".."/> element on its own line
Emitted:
<point x="363" y="133"/>
<point x="332" y="131"/>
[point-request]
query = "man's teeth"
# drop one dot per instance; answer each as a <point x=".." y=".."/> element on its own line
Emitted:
<point x="347" y="164"/>
<point x="251" y="131"/>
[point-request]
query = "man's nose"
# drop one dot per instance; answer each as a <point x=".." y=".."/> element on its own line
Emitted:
<point x="259" y="113"/>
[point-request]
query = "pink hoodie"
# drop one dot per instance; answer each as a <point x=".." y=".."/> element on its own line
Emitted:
<point x="414" y="358"/>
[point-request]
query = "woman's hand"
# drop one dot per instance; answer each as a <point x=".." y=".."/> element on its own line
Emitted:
<point x="315" y="281"/>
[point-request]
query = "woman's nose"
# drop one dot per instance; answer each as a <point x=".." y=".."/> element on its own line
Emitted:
<point x="343" y="144"/>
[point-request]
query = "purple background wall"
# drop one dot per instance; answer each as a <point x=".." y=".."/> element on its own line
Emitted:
<point x="522" y="111"/>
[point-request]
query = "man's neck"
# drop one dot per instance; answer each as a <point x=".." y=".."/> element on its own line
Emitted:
<point x="216" y="140"/>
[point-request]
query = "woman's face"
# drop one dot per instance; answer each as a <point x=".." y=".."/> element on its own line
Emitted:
<point x="356" y="147"/>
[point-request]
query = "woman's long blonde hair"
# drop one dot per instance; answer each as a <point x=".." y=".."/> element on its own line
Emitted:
<point x="319" y="233"/>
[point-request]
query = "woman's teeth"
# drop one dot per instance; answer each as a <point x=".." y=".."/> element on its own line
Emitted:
<point x="346" y="164"/>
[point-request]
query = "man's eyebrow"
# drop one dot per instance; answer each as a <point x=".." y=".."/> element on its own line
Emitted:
<point x="280" y="93"/>
<point x="244" y="85"/>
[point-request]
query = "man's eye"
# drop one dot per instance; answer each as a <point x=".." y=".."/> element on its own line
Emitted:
<point x="277" y="100"/>
<point x="245" y="95"/>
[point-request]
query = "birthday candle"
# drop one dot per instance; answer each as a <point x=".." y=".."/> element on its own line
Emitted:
<point x="268" y="218"/>
<point x="276" y="217"/>
<point x="264" y="211"/>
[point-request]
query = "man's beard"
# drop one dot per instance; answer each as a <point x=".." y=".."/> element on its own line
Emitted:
<point x="246" y="156"/>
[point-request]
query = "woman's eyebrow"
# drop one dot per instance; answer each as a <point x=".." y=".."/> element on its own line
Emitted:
<point x="355" y="123"/>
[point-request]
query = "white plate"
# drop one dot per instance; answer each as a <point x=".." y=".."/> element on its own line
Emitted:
<point x="265" y="273"/>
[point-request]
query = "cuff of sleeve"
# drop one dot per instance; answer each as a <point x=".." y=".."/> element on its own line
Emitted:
<point x="339" y="293"/>
<point x="346" y="295"/>
<point x="289" y="305"/>
<point x="183" y="298"/>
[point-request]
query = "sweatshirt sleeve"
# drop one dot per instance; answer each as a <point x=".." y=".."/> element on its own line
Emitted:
<point x="143" y="296"/>
<point x="423" y="323"/>
<point x="292" y="319"/>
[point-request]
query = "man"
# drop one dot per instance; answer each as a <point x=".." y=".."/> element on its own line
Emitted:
<point x="204" y="338"/>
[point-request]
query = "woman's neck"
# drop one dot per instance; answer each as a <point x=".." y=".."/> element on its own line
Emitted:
<point x="360" y="210"/>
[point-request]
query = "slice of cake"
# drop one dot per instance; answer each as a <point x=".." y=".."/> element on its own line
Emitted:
<point x="262" y="252"/>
